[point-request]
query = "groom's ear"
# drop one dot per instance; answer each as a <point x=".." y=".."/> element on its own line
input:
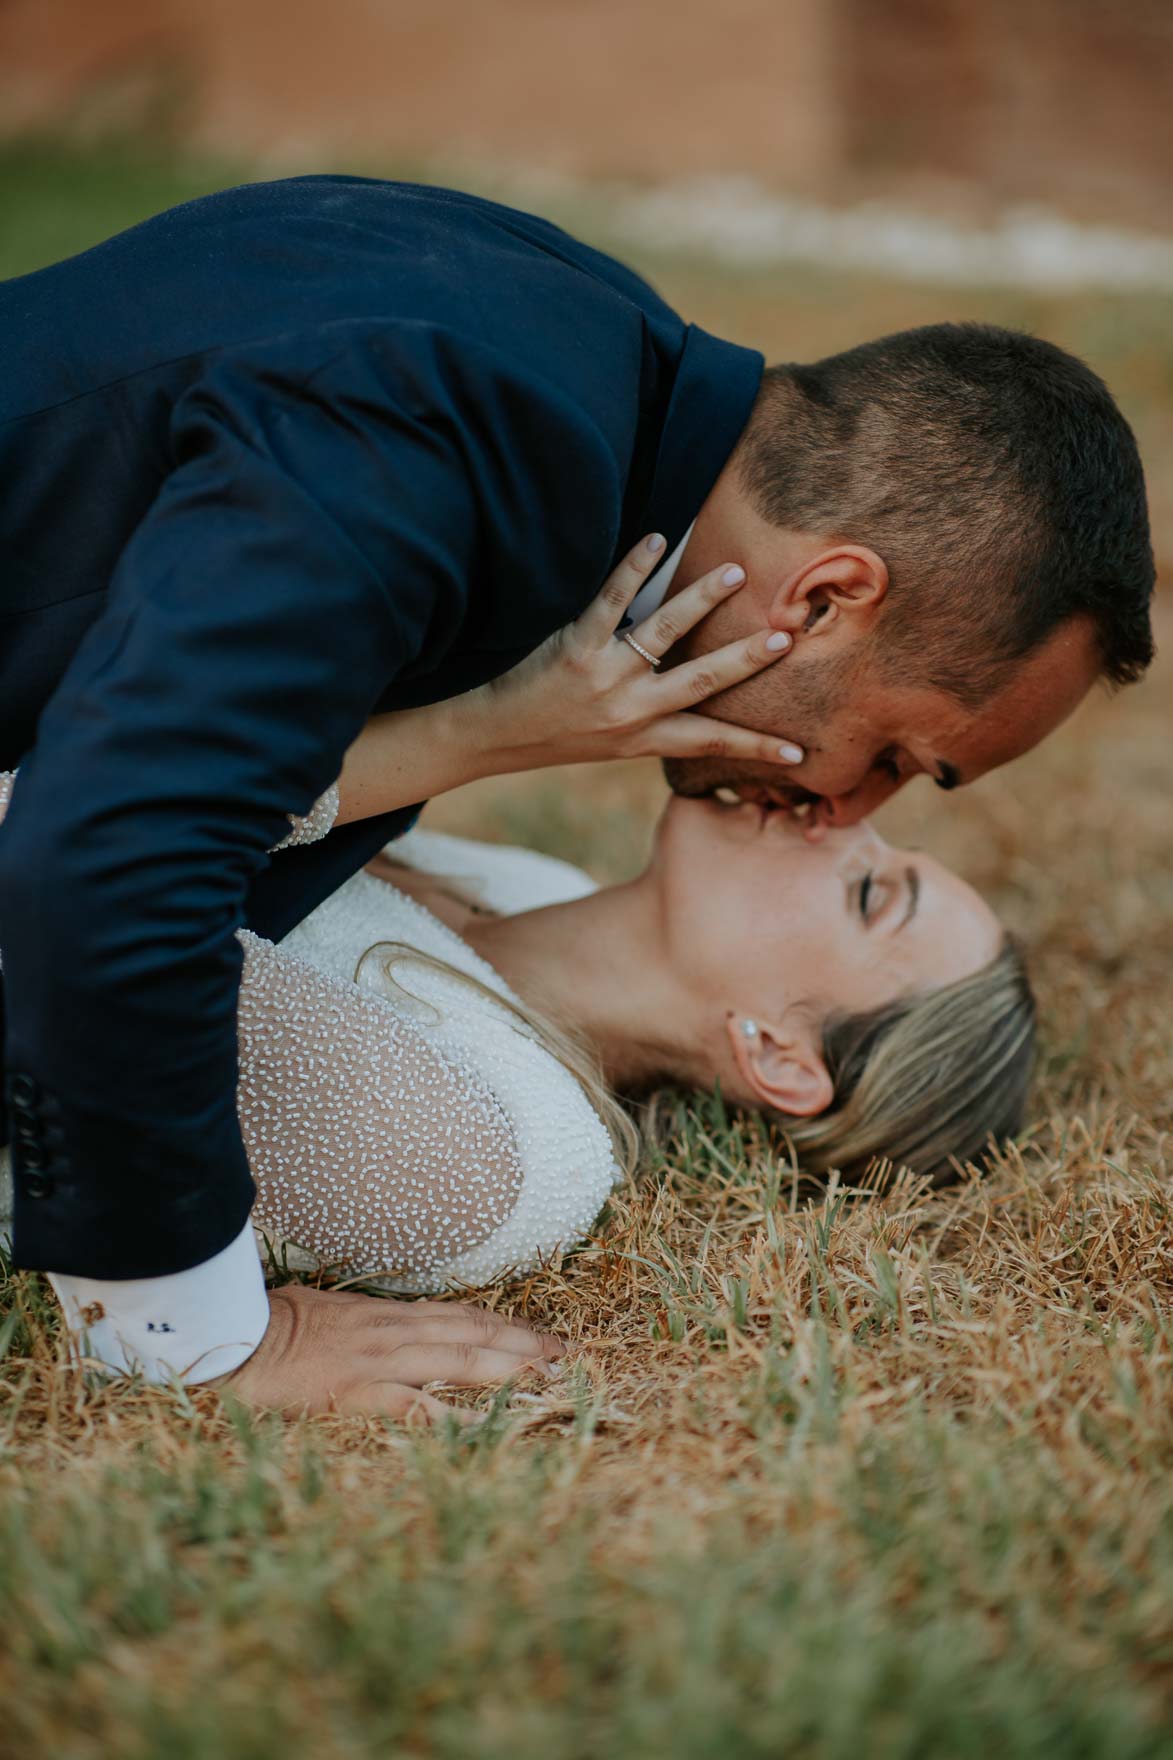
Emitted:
<point x="839" y="589"/>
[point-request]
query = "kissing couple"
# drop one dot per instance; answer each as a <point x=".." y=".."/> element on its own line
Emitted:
<point x="321" y="497"/>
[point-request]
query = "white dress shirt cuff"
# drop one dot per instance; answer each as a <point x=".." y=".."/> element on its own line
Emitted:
<point x="192" y="1324"/>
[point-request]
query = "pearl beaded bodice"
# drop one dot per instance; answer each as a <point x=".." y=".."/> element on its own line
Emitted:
<point x="409" y="1126"/>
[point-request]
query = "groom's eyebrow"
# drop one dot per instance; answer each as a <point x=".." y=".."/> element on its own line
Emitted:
<point x="948" y="775"/>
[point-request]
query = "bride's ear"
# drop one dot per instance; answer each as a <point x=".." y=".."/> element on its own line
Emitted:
<point x="780" y="1066"/>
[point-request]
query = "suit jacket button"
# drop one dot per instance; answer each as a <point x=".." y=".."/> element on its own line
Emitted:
<point x="22" y="1091"/>
<point x="31" y="1156"/>
<point x="37" y="1186"/>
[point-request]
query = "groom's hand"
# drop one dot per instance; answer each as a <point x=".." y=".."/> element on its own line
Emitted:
<point x="338" y="1351"/>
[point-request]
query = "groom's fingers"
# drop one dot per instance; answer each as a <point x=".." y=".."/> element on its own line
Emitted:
<point x="606" y="611"/>
<point x="460" y="1365"/>
<point x="391" y="1399"/>
<point x="454" y="1323"/>
<point x="447" y="1322"/>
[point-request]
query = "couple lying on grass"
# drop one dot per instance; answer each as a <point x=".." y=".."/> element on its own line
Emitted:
<point x="433" y="1062"/>
<point x="386" y="484"/>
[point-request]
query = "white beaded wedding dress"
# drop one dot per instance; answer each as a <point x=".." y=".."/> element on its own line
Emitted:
<point x="408" y="1128"/>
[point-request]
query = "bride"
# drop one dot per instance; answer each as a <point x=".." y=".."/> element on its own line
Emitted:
<point x="432" y="1064"/>
<point x="430" y="1061"/>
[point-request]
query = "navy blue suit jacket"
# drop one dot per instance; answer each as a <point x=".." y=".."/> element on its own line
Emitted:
<point x="269" y="462"/>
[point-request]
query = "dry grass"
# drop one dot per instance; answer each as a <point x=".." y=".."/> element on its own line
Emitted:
<point x="881" y="1473"/>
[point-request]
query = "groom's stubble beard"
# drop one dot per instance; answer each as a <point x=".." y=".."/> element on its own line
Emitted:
<point x="794" y="699"/>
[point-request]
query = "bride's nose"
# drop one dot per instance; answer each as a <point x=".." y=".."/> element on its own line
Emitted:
<point x="849" y="841"/>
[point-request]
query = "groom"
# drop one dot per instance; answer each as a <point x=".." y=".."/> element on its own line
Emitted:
<point x="303" y="451"/>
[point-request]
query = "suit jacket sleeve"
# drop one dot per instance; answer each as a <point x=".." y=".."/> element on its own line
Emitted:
<point x="315" y="534"/>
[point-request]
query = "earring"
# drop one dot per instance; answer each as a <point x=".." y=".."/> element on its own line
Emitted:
<point x="749" y="1029"/>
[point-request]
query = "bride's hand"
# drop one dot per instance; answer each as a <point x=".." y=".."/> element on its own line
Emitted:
<point x="588" y="694"/>
<point x="584" y="694"/>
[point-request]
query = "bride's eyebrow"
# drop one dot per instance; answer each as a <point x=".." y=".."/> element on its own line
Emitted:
<point x="912" y="877"/>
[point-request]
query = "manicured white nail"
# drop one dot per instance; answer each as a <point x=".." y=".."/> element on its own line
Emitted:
<point x="656" y="543"/>
<point x="790" y="754"/>
<point x="734" y="576"/>
<point x="778" y="642"/>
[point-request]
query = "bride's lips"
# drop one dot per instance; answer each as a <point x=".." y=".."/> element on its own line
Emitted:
<point x="783" y="800"/>
<point x="786" y="796"/>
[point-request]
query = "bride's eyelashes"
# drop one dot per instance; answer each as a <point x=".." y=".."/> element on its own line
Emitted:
<point x="869" y="897"/>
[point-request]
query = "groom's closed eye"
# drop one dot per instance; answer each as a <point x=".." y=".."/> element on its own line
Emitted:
<point x="891" y="763"/>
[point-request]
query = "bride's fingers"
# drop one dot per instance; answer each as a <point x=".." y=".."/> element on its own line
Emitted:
<point x="664" y="628"/>
<point x="703" y="736"/>
<point x="606" y="611"/>
<point x="695" y="680"/>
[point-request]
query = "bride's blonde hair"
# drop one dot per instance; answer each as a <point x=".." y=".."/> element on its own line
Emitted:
<point x="929" y="1081"/>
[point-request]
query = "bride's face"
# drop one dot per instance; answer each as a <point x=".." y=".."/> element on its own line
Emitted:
<point x="760" y="922"/>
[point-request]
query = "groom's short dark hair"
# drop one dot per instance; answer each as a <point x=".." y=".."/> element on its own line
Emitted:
<point x="994" y="474"/>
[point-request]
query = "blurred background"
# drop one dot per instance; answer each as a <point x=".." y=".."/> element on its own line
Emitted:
<point x="1065" y="101"/>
